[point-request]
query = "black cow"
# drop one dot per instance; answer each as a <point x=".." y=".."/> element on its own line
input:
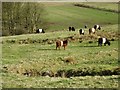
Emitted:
<point x="85" y="26"/>
<point x="103" y="41"/>
<point x="71" y="29"/>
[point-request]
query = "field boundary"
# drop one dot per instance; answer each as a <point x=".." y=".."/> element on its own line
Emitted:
<point x="93" y="7"/>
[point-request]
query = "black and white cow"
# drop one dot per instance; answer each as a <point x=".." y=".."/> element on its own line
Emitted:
<point x="103" y="41"/>
<point x="40" y="31"/>
<point x="81" y="31"/>
<point x="93" y="30"/>
<point x="97" y="27"/>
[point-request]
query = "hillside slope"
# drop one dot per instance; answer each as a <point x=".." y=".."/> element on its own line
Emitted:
<point x="32" y="60"/>
<point x="62" y="15"/>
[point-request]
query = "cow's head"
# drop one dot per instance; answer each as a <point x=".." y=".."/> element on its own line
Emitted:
<point x="99" y="28"/>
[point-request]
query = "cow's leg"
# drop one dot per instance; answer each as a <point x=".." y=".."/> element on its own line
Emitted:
<point x="64" y="47"/>
<point x="104" y="44"/>
<point x="99" y="44"/>
<point x="59" y="47"/>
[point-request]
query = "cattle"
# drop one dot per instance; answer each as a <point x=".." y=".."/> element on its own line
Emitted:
<point x="103" y="41"/>
<point x="97" y="27"/>
<point x="60" y="43"/>
<point x="40" y="31"/>
<point x="85" y="26"/>
<point x="93" y="30"/>
<point x="71" y="29"/>
<point x="81" y="31"/>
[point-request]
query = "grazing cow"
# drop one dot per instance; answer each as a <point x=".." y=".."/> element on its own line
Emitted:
<point x="61" y="43"/>
<point x="85" y="26"/>
<point x="103" y="41"/>
<point x="70" y="28"/>
<point x="40" y="31"/>
<point x="97" y="27"/>
<point x="81" y="31"/>
<point x="73" y="29"/>
<point x="93" y="30"/>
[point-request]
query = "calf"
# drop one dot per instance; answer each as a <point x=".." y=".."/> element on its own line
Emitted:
<point x="61" y="43"/>
<point x="103" y="41"/>
<point x="40" y="31"/>
<point x="81" y="31"/>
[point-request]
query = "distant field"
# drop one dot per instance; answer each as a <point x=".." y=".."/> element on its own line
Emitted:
<point x="105" y="5"/>
<point x="62" y="15"/>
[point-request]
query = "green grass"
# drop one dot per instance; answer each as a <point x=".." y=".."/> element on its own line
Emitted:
<point x="64" y="15"/>
<point x="42" y="57"/>
<point x="104" y="5"/>
<point x="47" y="82"/>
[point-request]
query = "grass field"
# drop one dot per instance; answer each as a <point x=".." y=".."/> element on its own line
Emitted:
<point x="105" y="5"/>
<point x="27" y="58"/>
<point x="62" y="15"/>
<point x="42" y="57"/>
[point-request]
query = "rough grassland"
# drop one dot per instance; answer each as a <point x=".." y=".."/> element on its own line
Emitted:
<point x="31" y="60"/>
<point x="19" y="58"/>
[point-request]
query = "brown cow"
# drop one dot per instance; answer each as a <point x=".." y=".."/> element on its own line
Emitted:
<point x="60" y="43"/>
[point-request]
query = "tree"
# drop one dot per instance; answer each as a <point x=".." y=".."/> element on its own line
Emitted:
<point x="22" y="17"/>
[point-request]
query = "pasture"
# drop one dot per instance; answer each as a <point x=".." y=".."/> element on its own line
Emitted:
<point x="36" y="56"/>
<point x="32" y="61"/>
<point x="62" y="15"/>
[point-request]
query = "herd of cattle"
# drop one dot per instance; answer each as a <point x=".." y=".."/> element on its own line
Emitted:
<point x="64" y="43"/>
